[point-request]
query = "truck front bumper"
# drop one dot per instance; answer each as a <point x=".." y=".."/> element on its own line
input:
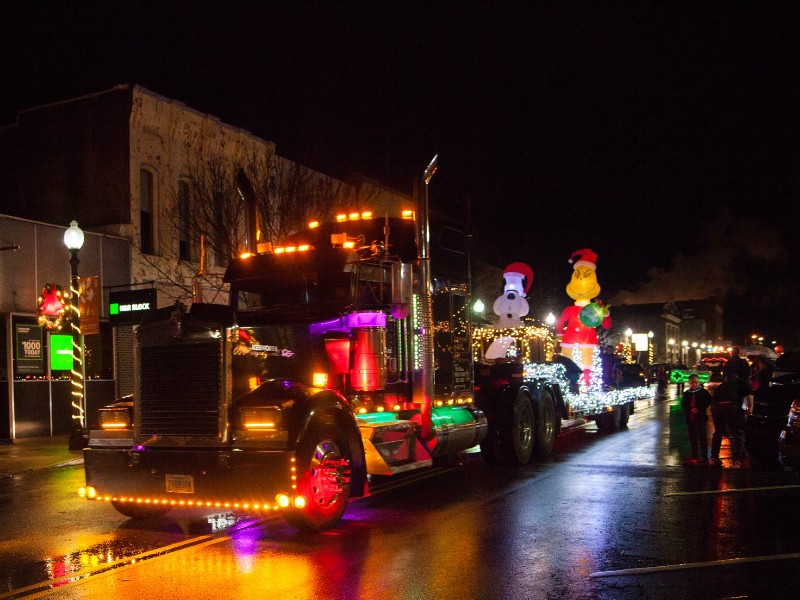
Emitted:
<point x="190" y="477"/>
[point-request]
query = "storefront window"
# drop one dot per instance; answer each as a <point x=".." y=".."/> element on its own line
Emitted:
<point x="39" y="353"/>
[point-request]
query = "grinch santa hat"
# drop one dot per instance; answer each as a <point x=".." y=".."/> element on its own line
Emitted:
<point x="514" y="275"/>
<point x="583" y="257"/>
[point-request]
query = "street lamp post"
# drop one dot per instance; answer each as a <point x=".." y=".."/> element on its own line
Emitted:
<point x="73" y="240"/>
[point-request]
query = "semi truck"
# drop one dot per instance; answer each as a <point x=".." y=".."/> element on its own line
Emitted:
<point x="345" y="354"/>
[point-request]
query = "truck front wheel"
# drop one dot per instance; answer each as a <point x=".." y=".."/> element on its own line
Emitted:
<point x="140" y="511"/>
<point x="323" y="479"/>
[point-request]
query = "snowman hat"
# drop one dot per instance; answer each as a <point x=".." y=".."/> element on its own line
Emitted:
<point x="518" y="270"/>
<point x="583" y="257"/>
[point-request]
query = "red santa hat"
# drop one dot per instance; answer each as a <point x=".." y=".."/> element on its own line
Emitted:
<point x="583" y="257"/>
<point x="519" y="270"/>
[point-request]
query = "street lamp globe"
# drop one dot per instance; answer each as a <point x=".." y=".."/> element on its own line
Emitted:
<point x="73" y="237"/>
<point x="550" y="319"/>
<point x="478" y="307"/>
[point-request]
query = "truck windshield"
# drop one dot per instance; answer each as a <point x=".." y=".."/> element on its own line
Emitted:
<point x="297" y="290"/>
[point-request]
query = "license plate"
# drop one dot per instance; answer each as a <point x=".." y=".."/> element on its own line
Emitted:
<point x="180" y="484"/>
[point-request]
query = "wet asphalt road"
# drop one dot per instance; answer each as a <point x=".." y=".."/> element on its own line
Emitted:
<point x="610" y="516"/>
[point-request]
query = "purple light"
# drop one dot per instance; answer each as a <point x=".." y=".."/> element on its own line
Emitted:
<point x="366" y="319"/>
<point x="323" y="326"/>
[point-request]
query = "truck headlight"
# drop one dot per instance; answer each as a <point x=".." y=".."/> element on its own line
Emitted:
<point x="260" y="418"/>
<point x="114" y="418"/>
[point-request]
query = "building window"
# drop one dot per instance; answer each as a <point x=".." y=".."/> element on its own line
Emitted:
<point x="147" y="243"/>
<point x="186" y="250"/>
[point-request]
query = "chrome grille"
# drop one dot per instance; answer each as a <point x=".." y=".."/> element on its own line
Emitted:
<point x="180" y="388"/>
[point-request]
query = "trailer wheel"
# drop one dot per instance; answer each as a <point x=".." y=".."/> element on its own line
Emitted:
<point x="610" y="420"/>
<point x="139" y="511"/>
<point x="519" y="437"/>
<point x="545" y="426"/>
<point x="624" y="414"/>
<point x="323" y="479"/>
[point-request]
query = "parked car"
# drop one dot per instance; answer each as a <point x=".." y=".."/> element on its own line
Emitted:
<point x="633" y="375"/>
<point x="714" y="364"/>
<point x="766" y="428"/>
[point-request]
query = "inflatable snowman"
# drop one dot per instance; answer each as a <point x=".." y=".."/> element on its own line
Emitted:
<point x="576" y="327"/>
<point x="511" y="306"/>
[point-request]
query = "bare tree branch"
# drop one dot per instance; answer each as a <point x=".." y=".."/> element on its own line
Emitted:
<point x="288" y="197"/>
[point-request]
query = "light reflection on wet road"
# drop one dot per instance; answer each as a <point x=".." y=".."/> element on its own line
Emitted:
<point x="550" y="529"/>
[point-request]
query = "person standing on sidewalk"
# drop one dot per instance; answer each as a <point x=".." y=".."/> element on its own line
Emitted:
<point x="729" y="418"/>
<point x="736" y="364"/>
<point x="695" y="402"/>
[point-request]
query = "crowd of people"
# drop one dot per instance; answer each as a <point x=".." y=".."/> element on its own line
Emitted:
<point x="729" y="404"/>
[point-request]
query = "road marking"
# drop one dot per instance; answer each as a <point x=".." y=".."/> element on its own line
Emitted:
<point x="734" y="490"/>
<point x="697" y="565"/>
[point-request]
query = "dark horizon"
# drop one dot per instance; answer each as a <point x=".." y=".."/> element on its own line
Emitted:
<point x="659" y="135"/>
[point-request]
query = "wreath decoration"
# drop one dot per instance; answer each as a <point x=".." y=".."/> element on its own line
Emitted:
<point x="52" y="307"/>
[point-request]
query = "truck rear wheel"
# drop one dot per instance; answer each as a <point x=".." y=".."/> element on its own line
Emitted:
<point x="323" y="479"/>
<point x="520" y="436"/>
<point x="546" y="426"/>
<point x="140" y="511"/>
<point x="490" y="446"/>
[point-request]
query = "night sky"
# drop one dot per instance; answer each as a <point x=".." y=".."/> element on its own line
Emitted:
<point x="663" y="135"/>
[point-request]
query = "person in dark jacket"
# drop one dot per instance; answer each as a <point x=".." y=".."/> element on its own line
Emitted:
<point x="695" y="402"/>
<point x="729" y="418"/>
<point x="573" y="371"/>
<point x="736" y="364"/>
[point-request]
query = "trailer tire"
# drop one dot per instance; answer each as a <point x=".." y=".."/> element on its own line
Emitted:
<point x="324" y="475"/>
<point x="518" y="438"/>
<point x="610" y="420"/>
<point x="546" y="426"/>
<point x="624" y="415"/>
<point x="140" y="511"/>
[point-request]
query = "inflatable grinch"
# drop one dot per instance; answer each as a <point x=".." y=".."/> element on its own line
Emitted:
<point x="576" y="327"/>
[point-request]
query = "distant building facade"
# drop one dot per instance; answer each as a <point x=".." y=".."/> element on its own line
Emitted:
<point x="680" y="329"/>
